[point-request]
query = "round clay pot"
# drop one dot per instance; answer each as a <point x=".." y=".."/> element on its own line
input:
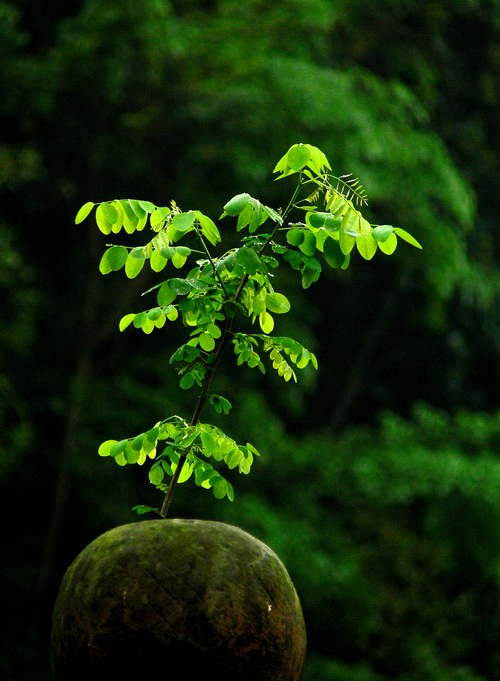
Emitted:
<point x="177" y="599"/>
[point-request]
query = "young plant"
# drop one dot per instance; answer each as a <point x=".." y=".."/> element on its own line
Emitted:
<point x="217" y="288"/>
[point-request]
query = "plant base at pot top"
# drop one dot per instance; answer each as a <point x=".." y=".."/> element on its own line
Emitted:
<point x="177" y="599"/>
<point x="189" y="595"/>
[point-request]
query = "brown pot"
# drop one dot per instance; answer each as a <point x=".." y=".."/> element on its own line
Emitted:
<point x="177" y="599"/>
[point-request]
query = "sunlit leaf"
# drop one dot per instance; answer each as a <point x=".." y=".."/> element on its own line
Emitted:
<point x="308" y="245"/>
<point x="209" y="228"/>
<point x="109" y="212"/>
<point x="367" y="246"/>
<point x="277" y="303"/>
<point x="130" y="219"/>
<point x="298" y="156"/>
<point x="184" y="221"/>
<point x="126" y="321"/>
<point x="140" y="212"/>
<point x="106" y="447"/>
<point x="406" y="237"/>
<point x="187" y="471"/>
<point x="249" y="260"/>
<point x="235" y="205"/>
<point x="157" y="261"/>
<point x="382" y="232"/>
<point x="206" y="342"/>
<point x="113" y="259"/>
<point x="181" y="287"/>
<point x="102" y="222"/>
<point x="178" y="260"/>
<point x="158" y="215"/>
<point x="84" y="212"/>
<point x="156" y="475"/>
<point x="134" y="263"/>
<point x="266" y="322"/>
<point x="389" y="245"/>
<point x="118" y="448"/>
<point x="295" y="236"/>
<point x="165" y="295"/>
<point x="147" y="206"/>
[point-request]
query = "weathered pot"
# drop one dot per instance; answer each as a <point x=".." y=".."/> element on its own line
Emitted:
<point x="177" y="599"/>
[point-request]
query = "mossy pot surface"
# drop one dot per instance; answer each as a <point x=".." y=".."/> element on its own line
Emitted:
<point x="177" y="599"/>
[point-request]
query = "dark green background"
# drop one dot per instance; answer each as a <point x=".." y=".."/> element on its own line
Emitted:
<point x="379" y="481"/>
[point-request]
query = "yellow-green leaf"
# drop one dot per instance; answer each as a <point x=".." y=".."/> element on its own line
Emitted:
<point x="84" y="212"/>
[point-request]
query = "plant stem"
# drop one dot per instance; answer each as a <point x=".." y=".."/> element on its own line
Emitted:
<point x="207" y="381"/>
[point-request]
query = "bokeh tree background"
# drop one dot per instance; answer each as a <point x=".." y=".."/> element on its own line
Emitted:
<point x="379" y="484"/>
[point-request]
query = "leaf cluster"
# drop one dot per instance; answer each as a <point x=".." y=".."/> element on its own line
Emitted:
<point x="214" y="289"/>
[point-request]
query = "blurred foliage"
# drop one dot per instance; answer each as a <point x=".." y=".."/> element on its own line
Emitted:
<point x="395" y="550"/>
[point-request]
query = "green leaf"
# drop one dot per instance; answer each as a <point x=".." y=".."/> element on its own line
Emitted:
<point x="389" y="245"/>
<point x="346" y="242"/>
<point x="130" y="219"/>
<point x="244" y="217"/>
<point x="308" y="245"/>
<point x="214" y="331"/>
<point x="333" y="253"/>
<point x="118" y="448"/>
<point x="120" y="459"/>
<point x="139" y="319"/>
<point x="277" y="303"/>
<point x="367" y="246"/>
<point x="186" y="472"/>
<point x="134" y="263"/>
<point x="249" y="260"/>
<point x="109" y="212"/>
<point x="184" y="221"/>
<point x="158" y="215"/>
<point x="309" y="276"/>
<point x="266" y="322"/>
<point x="139" y="212"/>
<point x="166" y="295"/>
<point x="258" y="216"/>
<point x="156" y="474"/>
<point x="84" y="212"/>
<point x="118" y="223"/>
<point x="209" y="228"/>
<point x="126" y="321"/>
<point x="148" y="206"/>
<point x="106" y="447"/>
<point x="206" y="342"/>
<point x="113" y="259"/>
<point x="316" y="219"/>
<point x="235" y="205"/>
<point x="207" y="439"/>
<point x="298" y="156"/>
<point x="157" y="261"/>
<point x="382" y="232"/>
<point x="318" y="162"/>
<point x="131" y="455"/>
<point x="220" y="488"/>
<point x="101" y="220"/>
<point x="295" y="236"/>
<point x="187" y="381"/>
<point x="178" y="260"/>
<point x="407" y="237"/>
<point x="294" y="258"/>
<point x="180" y="287"/>
<point x="141" y="509"/>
